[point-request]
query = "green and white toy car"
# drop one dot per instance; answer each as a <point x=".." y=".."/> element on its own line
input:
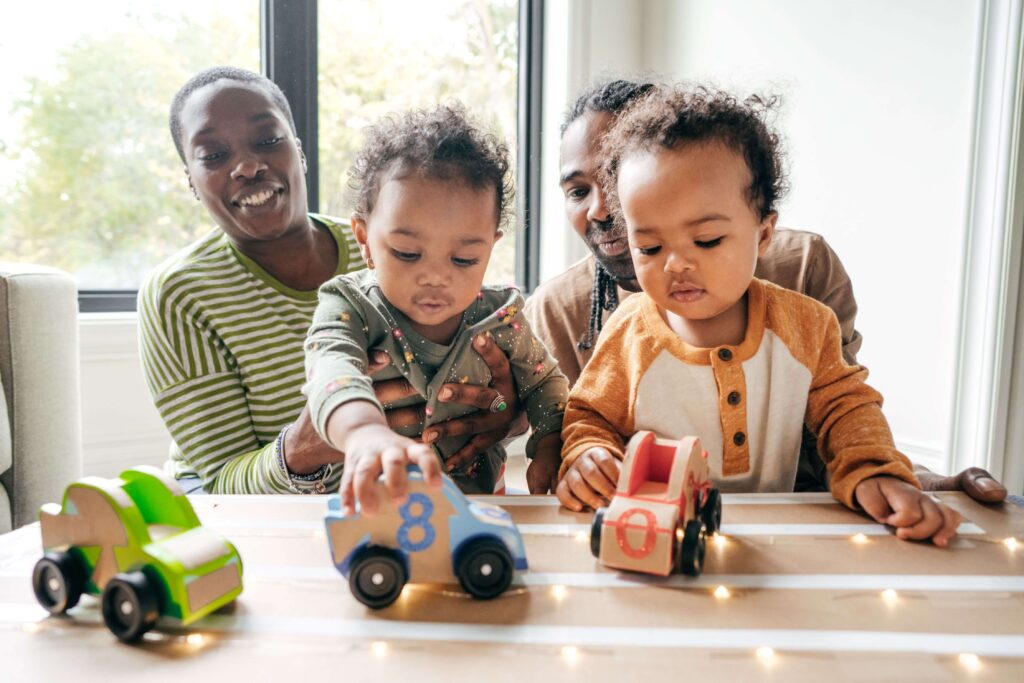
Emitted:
<point x="135" y="542"/>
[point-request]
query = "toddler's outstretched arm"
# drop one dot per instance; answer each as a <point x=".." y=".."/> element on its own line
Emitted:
<point x="359" y="429"/>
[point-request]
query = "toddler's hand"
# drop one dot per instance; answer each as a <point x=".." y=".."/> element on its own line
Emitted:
<point x="914" y="513"/>
<point x="590" y="481"/>
<point x="542" y="474"/>
<point x="374" y="449"/>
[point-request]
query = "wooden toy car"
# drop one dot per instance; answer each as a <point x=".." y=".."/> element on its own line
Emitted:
<point x="136" y="542"/>
<point x="434" y="536"/>
<point x="664" y="507"/>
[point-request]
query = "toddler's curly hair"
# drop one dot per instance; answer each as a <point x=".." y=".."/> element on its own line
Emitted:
<point x="668" y="117"/>
<point x="440" y="143"/>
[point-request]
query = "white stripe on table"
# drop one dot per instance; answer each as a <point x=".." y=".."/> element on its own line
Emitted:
<point x="782" y="640"/>
<point x="966" y="528"/>
<point x="967" y="583"/>
<point x="972" y="583"/>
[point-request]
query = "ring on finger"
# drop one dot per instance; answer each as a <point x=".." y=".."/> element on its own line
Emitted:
<point x="498" y="405"/>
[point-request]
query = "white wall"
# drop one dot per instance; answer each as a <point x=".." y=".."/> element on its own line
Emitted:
<point x="878" y="116"/>
<point x="584" y="39"/>
<point x="120" y="425"/>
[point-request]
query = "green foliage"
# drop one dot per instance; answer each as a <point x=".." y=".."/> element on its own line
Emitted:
<point x="99" y="189"/>
<point x="372" y="65"/>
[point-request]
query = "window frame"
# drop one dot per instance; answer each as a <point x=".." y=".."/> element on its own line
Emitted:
<point x="288" y="56"/>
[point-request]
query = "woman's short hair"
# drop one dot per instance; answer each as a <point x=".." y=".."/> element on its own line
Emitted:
<point x="224" y="73"/>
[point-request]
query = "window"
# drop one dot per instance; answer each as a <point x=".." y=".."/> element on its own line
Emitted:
<point x="371" y="65"/>
<point x="89" y="179"/>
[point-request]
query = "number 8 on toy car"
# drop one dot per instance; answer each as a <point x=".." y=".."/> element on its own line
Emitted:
<point x="432" y="537"/>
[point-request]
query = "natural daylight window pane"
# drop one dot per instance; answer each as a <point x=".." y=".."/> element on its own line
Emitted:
<point x="89" y="179"/>
<point x="377" y="57"/>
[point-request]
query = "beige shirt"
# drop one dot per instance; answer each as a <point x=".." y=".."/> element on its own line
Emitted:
<point x="559" y="310"/>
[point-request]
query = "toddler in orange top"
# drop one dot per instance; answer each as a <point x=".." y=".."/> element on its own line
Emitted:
<point x="707" y="349"/>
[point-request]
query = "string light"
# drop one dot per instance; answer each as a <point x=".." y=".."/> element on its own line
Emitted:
<point x="571" y="655"/>
<point x="378" y="648"/>
<point x="722" y="593"/>
<point x="859" y="538"/>
<point x="720" y="540"/>
<point x="1011" y="543"/>
<point x="559" y="593"/>
<point x="582" y="537"/>
<point x="890" y="596"/>
<point x="195" y="639"/>
<point x="765" y="654"/>
<point x="970" y="661"/>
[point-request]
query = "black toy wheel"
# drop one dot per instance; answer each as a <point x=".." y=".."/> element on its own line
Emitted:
<point x="58" y="580"/>
<point x="130" y="605"/>
<point x="595" y="531"/>
<point x="484" y="568"/>
<point x="712" y="512"/>
<point x="377" y="576"/>
<point x="691" y="551"/>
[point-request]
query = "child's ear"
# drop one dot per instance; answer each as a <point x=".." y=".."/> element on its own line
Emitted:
<point x="766" y="231"/>
<point x="498" y="235"/>
<point x="359" y="232"/>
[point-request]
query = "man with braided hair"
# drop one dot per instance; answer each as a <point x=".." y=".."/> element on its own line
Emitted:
<point x="568" y="311"/>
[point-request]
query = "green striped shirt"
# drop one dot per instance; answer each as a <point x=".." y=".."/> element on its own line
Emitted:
<point x="221" y="344"/>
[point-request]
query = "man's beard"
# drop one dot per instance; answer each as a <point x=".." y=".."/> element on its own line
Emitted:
<point x="619" y="266"/>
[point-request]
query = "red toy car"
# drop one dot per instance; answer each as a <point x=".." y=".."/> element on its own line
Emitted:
<point x="663" y="509"/>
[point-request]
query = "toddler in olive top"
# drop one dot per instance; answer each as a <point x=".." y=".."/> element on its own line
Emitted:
<point x="430" y="193"/>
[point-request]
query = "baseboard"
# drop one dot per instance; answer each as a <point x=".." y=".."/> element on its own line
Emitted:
<point x="109" y="457"/>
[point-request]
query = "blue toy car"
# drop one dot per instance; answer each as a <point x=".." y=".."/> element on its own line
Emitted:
<point x="432" y="537"/>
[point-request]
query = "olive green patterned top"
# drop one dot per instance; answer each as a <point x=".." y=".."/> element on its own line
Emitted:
<point x="354" y="316"/>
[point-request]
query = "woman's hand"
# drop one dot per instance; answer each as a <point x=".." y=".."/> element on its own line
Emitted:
<point x="304" y="450"/>
<point x="488" y="428"/>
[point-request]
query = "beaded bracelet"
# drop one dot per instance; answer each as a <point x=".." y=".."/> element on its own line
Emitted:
<point x="301" y="483"/>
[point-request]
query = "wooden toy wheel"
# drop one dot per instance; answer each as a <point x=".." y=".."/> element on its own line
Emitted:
<point x="377" y="577"/>
<point x="691" y="550"/>
<point x="130" y="605"/>
<point x="484" y="568"/>
<point x="712" y="512"/>
<point x="58" y="580"/>
<point x="595" y="532"/>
